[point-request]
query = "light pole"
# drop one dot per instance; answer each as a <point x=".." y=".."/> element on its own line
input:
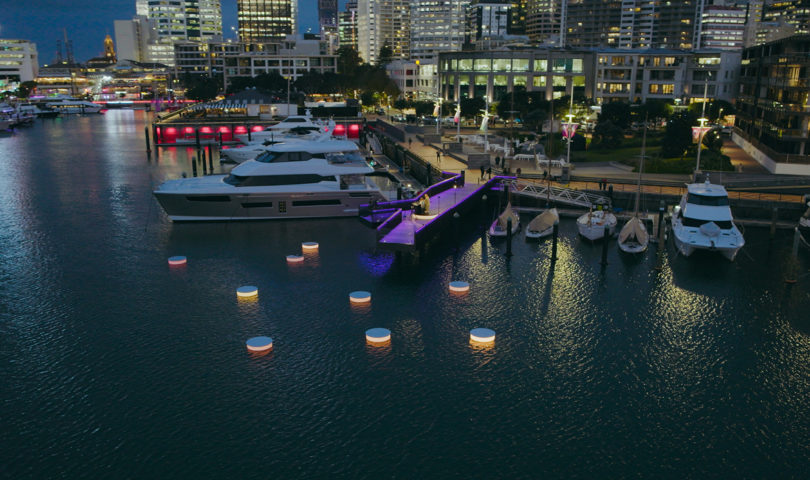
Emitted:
<point x="702" y="121"/>
<point x="288" y="95"/>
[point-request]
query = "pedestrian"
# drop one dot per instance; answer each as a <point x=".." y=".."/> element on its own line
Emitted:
<point x="489" y="172"/>
<point x="438" y="157"/>
<point x="410" y="139"/>
<point x="545" y="174"/>
<point x="610" y="192"/>
<point x="497" y="161"/>
<point x="483" y="171"/>
<point x="518" y="171"/>
<point x="604" y="184"/>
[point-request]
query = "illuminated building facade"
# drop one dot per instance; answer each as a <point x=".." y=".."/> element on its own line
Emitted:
<point x="347" y="25"/>
<point x="437" y="26"/>
<point x="266" y="20"/>
<point x="383" y="23"/>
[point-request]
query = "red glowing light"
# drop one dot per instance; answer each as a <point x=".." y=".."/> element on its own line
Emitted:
<point x="354" y="128"/>
<point x="224" y="129"/>
<point x="206" y="130"/>
<point x="187" y="130"/>
<point x="339" y="130"/>
<point x="256" y="128"/>
<point x="240" y="129"/>
<point x="172" y="131"/>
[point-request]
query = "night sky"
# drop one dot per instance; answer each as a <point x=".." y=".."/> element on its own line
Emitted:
<point x="88" y="21"/>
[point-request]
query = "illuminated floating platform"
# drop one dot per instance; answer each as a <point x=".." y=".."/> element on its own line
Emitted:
<point x="259" y="344"/>
<point x="482" y="335"/>
<point x="309" y="246"/>
<point x="360" y="296"/>
<point x="177" y="260"/>
<point x="459" y="287"/>
<point x="247" y="291"/>
<point x="378" y="335"/>
<point x="295" y="258"/>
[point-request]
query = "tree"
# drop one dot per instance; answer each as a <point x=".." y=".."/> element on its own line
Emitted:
<point x="678" y="134"/>
<point x="25" y="88"/>
<point x="202" y="88"/>
<point x="471" y="107"/>
<point x="617" y="113"/>
<point x="385" y="57"/>
<point x="655" y="110"/>
<point x="607" y="135"/>
<point x="348" y="60"/>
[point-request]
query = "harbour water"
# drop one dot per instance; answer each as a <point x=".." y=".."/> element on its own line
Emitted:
<point x="115" y="364"/>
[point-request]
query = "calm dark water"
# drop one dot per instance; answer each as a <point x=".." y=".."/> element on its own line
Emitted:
<point x="114" y="364"/>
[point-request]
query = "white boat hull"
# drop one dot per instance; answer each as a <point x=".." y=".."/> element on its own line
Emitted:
<point x="496" y="231"/>
<point x="542" y="234"/>
<point x="594" y="225"/>
<point x="688" y="240"/>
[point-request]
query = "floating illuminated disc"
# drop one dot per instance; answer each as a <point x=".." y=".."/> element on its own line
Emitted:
<point x="482" y="335"/>
<point x="177" y="260"/>
<point x="294" y="258"/>
<point x="247" y="291"/>
<point x="259" y="344"/>
<point x="360" y="297"/>
<point x="378" y="335"/>
<point x="309" y="246"/>
<point x="459" y="287"/>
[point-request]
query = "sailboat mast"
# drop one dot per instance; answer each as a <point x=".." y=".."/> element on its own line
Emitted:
<point x="641" y="162"/>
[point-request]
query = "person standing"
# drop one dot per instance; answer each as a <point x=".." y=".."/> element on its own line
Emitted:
<point x="483" y="171"/>
<point x="438" y="157"/>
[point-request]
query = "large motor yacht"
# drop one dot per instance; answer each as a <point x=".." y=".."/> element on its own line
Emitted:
<point x="76" y="106"/>
<point x="281" y="183"/>
<point x="297" y="122"/>
<point x="320" y="142"/>
<point x="703" y="221"/>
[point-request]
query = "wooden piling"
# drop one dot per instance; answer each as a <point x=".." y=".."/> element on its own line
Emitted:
<point x="605" y="246"/>
<point x="509" y="237"/>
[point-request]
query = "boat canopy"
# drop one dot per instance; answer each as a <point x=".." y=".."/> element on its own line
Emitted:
<point x="633" y="229"/>
<point x="506" y="215"/>
<point x="544" y="221"/>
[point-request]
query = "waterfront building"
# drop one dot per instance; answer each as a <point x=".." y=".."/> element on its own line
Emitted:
<point x="383" y="23"/>
<point x="772" y="119"/>
<point x="132" y="37"/>
<point x="347" y="25"/>
<point x="205" y="58"/>
<point x="544" y="21"/>
<point x="266" y="20"/>
<point x="18" y="61"/>
<point x="603" y="75"/>
<point x="291" y="59"/>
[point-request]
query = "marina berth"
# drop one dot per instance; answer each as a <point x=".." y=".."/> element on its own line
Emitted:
<point x="298" y="122"/>
<point x="284" y="183"/>
<point x="703" y="221"/>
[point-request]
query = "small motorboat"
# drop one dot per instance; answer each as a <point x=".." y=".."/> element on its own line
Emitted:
<point x="596" y="223"/>
<point x="542" y="225"/>
<point x="499" y="226"/>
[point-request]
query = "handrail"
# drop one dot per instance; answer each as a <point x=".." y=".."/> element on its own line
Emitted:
<point x="389" y="224"/>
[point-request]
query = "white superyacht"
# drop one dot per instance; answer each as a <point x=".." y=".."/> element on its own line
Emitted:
<point x="703" y="221"/>
<point x="281" y="183"/>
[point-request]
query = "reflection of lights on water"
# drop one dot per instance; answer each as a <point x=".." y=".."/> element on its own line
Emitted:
<point x="377" y="264"/>
<point x="295" y="258"/>
<point x="309" y="246"/>
<point x="177" y="260"/>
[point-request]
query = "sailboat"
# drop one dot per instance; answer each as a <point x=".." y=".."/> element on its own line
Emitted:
<point x="593" y="224"/>
<point x="543" y="225"/>
<point x="633" y="237"/>
<point x="498" y="227"/>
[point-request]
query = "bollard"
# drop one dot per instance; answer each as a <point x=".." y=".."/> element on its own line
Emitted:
<point x="555" y="231"/>
<point x="605" y="246"/>
<point x="146" y="134"/>
<point x="793" y="267"/>
<point x="220" y="140"/>
<point x="197" y="137"/>
<point x="509" y="237"/>
<point x="774" y="215"/>
<point x="194" y="166"/>
<point x="210" y="160"/>
<point x="399" y="192"/>
<point x="248" y="129"/>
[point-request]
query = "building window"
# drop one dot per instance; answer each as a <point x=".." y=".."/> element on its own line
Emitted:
<point x="499" y="65"/>
<point x="539" y="81"/>
<point x="520" y="64"/>
<point x="483" y="65"/>
<point x="519" y="81"/>
<point x="540" y="65"/>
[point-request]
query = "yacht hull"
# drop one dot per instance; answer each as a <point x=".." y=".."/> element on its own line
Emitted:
<point x="688" y="243"/>
<point x="185" y="207"/>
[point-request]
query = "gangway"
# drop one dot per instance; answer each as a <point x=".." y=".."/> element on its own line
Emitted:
<point x="568" y="196"/>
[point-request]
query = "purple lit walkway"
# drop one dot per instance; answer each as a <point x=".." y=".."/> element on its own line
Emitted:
<point x="442" y="206"/>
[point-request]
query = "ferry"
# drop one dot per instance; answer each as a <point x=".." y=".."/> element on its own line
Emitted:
<point x="702" y="221"/>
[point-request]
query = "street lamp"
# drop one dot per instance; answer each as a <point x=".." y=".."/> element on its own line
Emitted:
<point x="702" y="121"/>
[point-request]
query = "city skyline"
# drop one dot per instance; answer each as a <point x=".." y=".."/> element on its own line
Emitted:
<point x="43" y="22"/>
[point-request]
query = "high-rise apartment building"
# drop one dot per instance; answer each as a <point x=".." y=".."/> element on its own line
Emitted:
<point x="487" y="22"/>
<point x="544" y="21"/>
<point x="721" y="27"/>
<point x="436" y="26"/>
<point x="181" y="20"/>
<point x="383" y="23"/>
<point x="327" y="16"/>
<point x="347" y="25"/>
<point x="19" y="61"/>
<point x="266" y="20"/>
